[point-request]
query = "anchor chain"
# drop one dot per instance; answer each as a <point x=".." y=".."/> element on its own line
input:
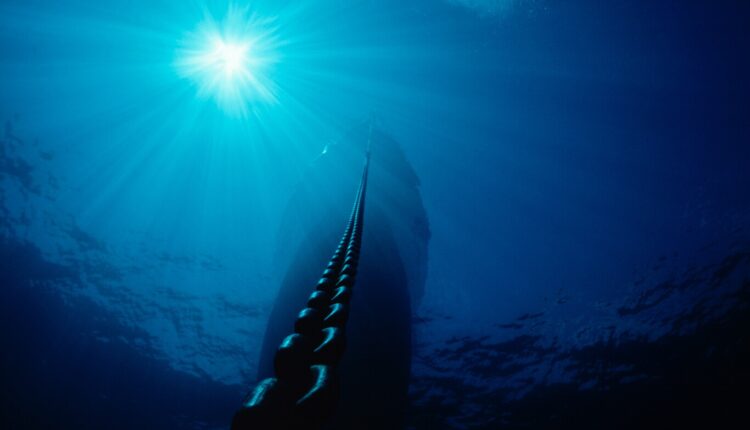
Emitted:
<point x="304" y="392"/>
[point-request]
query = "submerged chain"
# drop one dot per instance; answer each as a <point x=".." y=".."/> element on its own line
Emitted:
<point x="305" y="390"/>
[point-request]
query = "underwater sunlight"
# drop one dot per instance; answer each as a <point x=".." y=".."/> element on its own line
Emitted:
<point x="231" y="60"/>
<point x="472" y="214"/>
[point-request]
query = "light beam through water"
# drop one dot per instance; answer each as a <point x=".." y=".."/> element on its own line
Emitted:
<point x="231" y="61"/>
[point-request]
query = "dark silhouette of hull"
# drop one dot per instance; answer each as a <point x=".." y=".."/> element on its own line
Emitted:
<point x="376" y="366"/>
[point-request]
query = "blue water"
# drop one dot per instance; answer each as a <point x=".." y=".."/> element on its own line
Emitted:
<point x="583" y="166"/>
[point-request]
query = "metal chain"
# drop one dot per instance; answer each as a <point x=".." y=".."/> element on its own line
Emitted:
<point x="305" y="390"/>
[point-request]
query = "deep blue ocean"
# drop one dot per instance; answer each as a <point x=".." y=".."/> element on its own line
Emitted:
<point x="565" y="187"/>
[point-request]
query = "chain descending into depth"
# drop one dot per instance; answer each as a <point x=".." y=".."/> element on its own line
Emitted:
<point x="305" y="390"/>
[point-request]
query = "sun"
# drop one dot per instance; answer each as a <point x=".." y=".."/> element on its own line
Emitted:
<point x="231" y="61"/>
<point x="230" y="58"/>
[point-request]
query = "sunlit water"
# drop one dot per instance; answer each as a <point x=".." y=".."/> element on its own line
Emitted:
<point x="583" y="167"/>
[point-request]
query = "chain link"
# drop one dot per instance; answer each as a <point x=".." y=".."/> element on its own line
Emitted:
<point x="305" y="390"/>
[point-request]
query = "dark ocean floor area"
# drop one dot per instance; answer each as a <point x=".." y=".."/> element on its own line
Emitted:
<point x="694" y="374"/>
<point x="696" y="381"/>
<point x="57" y="374"/>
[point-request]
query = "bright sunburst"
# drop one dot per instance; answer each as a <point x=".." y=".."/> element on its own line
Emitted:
<point x="228" y="57"/>
<point x="231" y="61"/>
